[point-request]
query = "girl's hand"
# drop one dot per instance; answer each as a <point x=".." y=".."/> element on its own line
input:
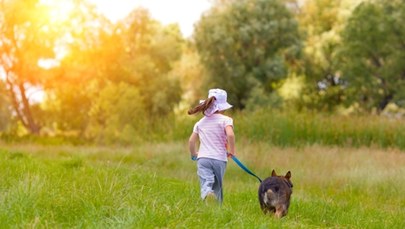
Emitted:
<point x="229" y="154"/>
<point x="194" y="156"/>
<point x="191" y="143"/>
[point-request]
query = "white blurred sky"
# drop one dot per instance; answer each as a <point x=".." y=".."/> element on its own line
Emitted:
<point x="183" y="12"/>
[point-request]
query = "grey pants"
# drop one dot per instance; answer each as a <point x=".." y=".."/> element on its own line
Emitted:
<point x="211" y="173"/>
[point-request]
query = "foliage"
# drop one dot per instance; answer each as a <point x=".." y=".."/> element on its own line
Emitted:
<point x="247" y="44"/>
<point x="138" y="52"/>
<point x="95" y="74"/>
<point x="320" y="23"/>
<point x="80" y="70"/>
<point x="259" y="98"/>
<point x="115" y="117"/>
<point x="192" y="77"/>
<point x="24" y="40"/>
<point x="150" y="50"/>
<point x="373" y="57"/>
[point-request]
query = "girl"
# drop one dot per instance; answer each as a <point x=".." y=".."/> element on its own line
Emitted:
<point x="215" y="133"/>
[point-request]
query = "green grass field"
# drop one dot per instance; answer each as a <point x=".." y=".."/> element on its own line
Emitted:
<point x="156" y="186"/>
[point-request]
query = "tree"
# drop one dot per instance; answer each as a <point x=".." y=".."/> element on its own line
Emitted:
<point x="192" y="76"/>
<point x="148" y="53"/>
<point x="245" y="44"/>
<point x="100" y="58"/>
<point x="373" y="54"/>
<point x="115" y="116"/>
<point x="25" y="38"/>
<point x="320" y="22"/>
<point x="78" y="58"/>
<point x="5" y="112"/>
<point x="37" y="41"/>
<point x="88" y="46"/>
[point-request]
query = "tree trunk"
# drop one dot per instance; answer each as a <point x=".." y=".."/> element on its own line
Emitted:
<point x="22" y="108"/>
<point x="384" y="102"/>
<point x="31" y="125"/>
<point x="15" y="102"/>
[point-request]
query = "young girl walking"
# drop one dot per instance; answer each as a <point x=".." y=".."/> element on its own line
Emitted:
<point x="217" y="141"/>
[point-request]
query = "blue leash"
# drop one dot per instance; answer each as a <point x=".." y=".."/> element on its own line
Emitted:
<point x="244" y="167"/>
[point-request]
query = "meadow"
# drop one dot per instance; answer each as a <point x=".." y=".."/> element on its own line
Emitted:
<point x="154" y="185"/>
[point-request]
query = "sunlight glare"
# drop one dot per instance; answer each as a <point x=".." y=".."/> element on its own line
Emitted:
<point x="60" y="10"/>
<point x="2" y="74"/>
<point x="48" y="63"/>
<point x="183" y="12"/>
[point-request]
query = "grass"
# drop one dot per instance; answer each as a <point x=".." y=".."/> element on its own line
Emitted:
<point x="302" y="129"/>
<point x="281" y="128"/>
<point x="156" y="186"/>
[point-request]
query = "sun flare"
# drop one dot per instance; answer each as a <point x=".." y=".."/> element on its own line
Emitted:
<point x="59" y="11"/>
<point x="183" y="12"/>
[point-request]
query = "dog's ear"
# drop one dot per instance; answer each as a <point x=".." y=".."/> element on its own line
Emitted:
<point x="273" y="173"/>
<point x="288" y="175"/>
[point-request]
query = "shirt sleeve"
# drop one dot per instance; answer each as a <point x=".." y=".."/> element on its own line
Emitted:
<point x="195" y="128"/>
<point x="228" y="122"/>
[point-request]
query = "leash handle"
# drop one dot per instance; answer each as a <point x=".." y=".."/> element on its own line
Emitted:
<point x="236" y="160"/>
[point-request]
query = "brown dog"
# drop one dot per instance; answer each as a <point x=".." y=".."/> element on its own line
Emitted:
<point x="275" y="193"/>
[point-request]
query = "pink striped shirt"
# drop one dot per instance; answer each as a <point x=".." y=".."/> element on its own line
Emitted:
<point x="211" y="131"/>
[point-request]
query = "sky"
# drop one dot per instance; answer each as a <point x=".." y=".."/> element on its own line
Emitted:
<point x="183" y="12"/>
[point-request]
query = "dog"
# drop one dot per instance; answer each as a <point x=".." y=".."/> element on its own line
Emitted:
<point x="275" y="193"/>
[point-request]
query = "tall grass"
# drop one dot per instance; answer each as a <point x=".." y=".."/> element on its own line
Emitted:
<point x="302" y="129"/>
<point x="298" y="129"/>
<point x="276" y="127"/>
<point x="156" y="186"/>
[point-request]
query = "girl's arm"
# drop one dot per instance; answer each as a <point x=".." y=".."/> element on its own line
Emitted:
<point x="192" y="143"/>
<point x="231" y="139"/>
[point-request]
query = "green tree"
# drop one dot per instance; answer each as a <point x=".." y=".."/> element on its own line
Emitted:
<point x="373" y="54"/>
<point x="149" y="51"/>
<point x="320" y="23"/>
<point x="115" y="116"/>
<point x="246" y="44"/>
<point x="192" y="76"/>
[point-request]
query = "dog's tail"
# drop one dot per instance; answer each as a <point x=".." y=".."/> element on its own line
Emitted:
<point x="270" y="197"/>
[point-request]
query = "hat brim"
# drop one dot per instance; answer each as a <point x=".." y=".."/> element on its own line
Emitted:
<point x="224" y="106"/>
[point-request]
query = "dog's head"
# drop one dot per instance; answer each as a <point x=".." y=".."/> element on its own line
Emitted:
<point x="274" y="194"/>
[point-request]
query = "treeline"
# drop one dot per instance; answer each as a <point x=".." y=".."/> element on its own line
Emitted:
<point x="76" y="74"/>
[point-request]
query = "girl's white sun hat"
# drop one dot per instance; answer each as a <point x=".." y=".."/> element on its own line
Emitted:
<point x="220" y="103"/>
